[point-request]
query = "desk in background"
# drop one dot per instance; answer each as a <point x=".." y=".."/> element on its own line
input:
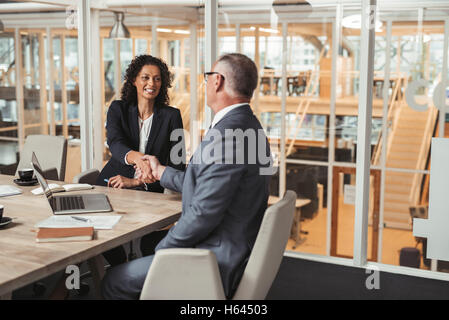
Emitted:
<point x="296" y="226"/>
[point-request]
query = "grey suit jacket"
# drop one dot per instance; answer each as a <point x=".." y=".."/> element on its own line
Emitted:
<point x="222" y="203"/>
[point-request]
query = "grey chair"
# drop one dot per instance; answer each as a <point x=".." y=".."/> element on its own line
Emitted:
<point x="185" y="273"/>
<point x="51" y="151"/>
<point x="89" y="176"/>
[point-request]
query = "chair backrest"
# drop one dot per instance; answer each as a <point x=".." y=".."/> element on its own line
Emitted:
<point x="197" y="276"/>
<point x="89" y="176"/>
<point x="268" y="250"/>
<point x="51" y="151"/>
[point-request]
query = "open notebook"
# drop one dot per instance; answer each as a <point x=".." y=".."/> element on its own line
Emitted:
<point x="54" y="187"/>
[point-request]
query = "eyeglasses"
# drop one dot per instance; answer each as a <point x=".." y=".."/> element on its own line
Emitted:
<point x="210" y="73"/>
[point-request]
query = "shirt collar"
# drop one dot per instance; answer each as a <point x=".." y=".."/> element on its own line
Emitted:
<point x="220" y="114"/>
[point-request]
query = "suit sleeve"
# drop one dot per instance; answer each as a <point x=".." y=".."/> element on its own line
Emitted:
<point x="172" y="179"/>
<point x="118" y="142"/>
<point x="215" y="187"/>
<point x="177" y="155"/>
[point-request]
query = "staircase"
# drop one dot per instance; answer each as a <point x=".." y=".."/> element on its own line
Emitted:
<point x="408" y="148"/>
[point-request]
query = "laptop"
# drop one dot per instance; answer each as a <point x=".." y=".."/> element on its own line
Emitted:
<point x="60" y="204"/>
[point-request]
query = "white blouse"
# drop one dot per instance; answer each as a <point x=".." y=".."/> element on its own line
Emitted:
<point x="144" y="134"/>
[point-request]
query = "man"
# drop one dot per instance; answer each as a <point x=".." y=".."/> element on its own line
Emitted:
<point x="224" y="188"/>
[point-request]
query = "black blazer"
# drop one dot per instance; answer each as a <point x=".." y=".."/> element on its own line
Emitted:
<point x="123" y="136"/>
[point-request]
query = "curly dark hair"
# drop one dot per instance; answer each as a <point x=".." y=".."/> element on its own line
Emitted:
<point x="129" y="91"/>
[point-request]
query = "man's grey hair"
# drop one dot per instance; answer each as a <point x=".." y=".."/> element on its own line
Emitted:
<point x="241" y="74"/>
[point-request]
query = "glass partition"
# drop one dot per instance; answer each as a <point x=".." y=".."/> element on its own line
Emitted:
<point x="407" y="87"/>
<point x="309" y="59"/>
<point x="39" y="84"/>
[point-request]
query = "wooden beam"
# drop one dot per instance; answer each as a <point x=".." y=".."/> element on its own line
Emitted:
<point x="43" y="85"/>
<point x="335" y="205"/>
<point x="19" y="88"/>
<point x="65" y="129"/>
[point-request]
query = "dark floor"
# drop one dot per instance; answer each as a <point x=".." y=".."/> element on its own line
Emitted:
<point x="300" y="279"/>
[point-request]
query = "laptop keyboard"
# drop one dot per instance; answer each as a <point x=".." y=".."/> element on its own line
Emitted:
<point x="71" y="203"/>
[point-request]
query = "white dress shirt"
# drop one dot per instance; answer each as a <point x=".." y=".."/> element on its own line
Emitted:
<point x="220" y="114"/>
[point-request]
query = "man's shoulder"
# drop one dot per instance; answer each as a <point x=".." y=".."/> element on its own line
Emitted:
<point x="242" y="120"/>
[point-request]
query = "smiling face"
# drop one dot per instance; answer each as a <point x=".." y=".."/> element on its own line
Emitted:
<point x="148" y="82"/>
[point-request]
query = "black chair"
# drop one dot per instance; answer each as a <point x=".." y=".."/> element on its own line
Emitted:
<point x="304" y="181"/>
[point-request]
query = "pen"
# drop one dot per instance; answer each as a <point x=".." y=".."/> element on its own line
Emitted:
<point x="81" y="219"/>
<point x="106" y="180"/>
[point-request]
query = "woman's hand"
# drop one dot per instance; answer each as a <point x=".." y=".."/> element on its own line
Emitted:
<point x="143" y="170"/>
<point x="123" y="182"/>
<point x="141" y="166"/>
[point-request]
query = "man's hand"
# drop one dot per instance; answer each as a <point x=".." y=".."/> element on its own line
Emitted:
<point x="123" y="182"/>
<point x="156" y="168"/>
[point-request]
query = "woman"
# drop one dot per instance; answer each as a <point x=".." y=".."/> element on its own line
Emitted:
<point x="141" y="123"/>
<point x="138" y="124"/>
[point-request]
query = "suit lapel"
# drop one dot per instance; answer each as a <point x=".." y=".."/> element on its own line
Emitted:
<point x="134" y="126"/>
<point x="155" y="125"/>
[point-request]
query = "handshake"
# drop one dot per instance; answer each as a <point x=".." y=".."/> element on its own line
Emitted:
<point x="148" y="169"/>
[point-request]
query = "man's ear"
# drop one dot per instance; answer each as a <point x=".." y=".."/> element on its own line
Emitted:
<point x="219" y="83"/>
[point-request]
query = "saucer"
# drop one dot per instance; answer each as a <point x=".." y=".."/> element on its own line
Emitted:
<point x="31" y="182"/>
<point x="5" y="221"/>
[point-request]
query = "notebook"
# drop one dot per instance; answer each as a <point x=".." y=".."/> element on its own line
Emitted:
<point x="54" y="187"/>
<point x="66" y="221"/>
<point x="6" y="190"/>
<point x="64" y="234"/>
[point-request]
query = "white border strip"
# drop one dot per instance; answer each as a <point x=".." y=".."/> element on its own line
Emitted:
<point x="368" y="12"/>
<point x="383" y="158"/>
<point x="283" y="165"/>
<point x="85" y="84"/>
<point x="211" y="41"/>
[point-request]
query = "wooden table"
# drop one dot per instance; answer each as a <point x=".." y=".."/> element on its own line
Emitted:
<point x="24" y="261"/>
<point x="296" y="226"/>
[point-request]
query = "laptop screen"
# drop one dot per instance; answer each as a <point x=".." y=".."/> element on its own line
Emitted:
<point x="41" y="179"/>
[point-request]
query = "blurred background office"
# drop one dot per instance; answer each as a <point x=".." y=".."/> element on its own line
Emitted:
<point x="63" y="62"/>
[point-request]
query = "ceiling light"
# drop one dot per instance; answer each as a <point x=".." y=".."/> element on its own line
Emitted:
<point x="182" y="31"/>
<point x="269" y="30"/>
<point x="163" y="30"/>
<point x="119" y="30"/>
<point x="355" y="22"/>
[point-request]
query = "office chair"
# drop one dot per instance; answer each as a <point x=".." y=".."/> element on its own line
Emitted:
<point x="51" y="152"/>
<point x="89" y="176"/>
<point x="199" y="276"/>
